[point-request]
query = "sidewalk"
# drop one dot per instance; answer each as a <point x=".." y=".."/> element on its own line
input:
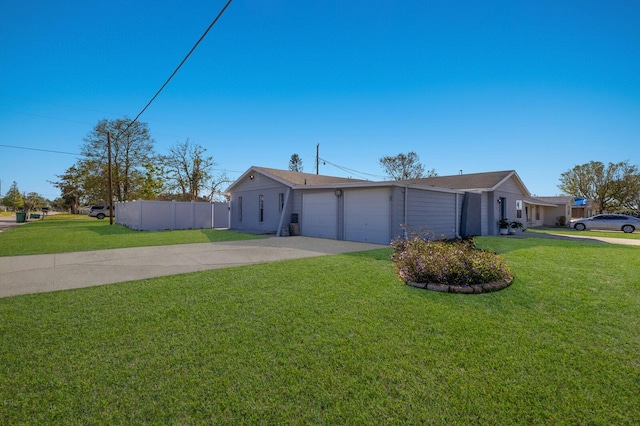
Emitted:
<point x="63" y="271"/>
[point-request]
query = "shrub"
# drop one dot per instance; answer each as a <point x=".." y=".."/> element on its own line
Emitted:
<point x="423" y="260"/>
<point x="562" y="221"/>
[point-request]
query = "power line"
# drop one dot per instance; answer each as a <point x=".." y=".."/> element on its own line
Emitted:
<point x="352" y="171"/>
<point x="44" y="116"/>
<point x="176" y="70"/>
<point x="55" y="104"/>
<point x="41" y="150"/>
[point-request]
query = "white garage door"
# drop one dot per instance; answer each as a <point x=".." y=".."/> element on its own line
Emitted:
<point x="319" y="215"/>
<point x="367" y="215"/>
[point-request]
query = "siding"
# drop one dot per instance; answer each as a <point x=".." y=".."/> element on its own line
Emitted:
<point x="433" y="212"/>
<point x="511" y="192"/>
<point x="484" y="213"/>
<point x="250" y="190"/>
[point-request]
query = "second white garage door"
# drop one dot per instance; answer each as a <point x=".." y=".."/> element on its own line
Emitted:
<point x="367" y="215"/>
<point x="319" y="215"/>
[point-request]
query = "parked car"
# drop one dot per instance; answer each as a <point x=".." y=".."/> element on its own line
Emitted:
<point x="607" y="222"/>
<point x="99" y="211"/>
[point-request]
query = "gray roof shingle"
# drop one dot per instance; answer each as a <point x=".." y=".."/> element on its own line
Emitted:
<point x="299" y="178"/>
<point x="467" y="181"/>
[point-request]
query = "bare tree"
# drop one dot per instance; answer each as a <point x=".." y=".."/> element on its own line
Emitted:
<point x="405" y="166"/>
<point x="188" y="170"/>
<point x="217" y="186"/>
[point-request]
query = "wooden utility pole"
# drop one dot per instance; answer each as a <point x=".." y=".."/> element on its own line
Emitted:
<point x="110" y="183"/>
<point x="318" y="159"/>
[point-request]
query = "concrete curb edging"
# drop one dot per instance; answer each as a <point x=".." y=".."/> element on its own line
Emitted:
<point x="464" y="289"/>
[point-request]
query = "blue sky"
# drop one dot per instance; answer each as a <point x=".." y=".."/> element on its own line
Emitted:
<point x="536" y="87"/>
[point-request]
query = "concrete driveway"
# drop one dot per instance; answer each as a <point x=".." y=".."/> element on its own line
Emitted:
<point x="63" y="271"/>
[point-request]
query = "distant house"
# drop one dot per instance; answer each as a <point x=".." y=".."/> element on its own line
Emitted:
<point x="268" y="200"/>
<point x="567" y="206"/>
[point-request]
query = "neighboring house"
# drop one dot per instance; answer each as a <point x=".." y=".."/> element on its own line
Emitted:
<point x="268" y="200"/>
<point x="567" y="206"/>
<point x="553" y="215"/>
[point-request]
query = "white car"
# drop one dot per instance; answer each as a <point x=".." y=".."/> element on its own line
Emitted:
<point x="99" y="211"/>
<point x="607" y="222"/>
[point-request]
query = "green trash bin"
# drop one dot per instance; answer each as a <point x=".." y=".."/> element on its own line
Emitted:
<point x="21" y="217"/>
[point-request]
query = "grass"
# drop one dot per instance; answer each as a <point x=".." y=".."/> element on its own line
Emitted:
<point x="567" y="231"/>
<point x="66" y="233"/>
<point x="335" y="340"/>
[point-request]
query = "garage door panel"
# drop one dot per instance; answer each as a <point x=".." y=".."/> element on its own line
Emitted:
<point x="367" y="215"/>
<point x="319" y="215"/>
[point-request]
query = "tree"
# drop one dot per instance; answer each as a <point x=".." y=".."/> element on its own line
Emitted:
<point x="153" y="182"/>
<point x="34" y="201"/>
<point x="613" y="186"/>
<point x="405" y="166"/>
<point x="71" y="186"/>
<point x="295" y="163"/>
<point x="13" y="199"/>
<point x="131" y="148"/>
<point x="217" y="187"/>
<point x="629" y="189"/>
<point x="188" y="170"/>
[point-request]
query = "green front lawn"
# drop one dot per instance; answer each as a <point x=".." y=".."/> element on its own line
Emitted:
<point x="67" y="233"/>
<point x="335" y="340"/>
<point x="570" y="232"/>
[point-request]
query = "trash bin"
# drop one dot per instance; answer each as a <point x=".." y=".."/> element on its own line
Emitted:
<point x="21" y="217"/>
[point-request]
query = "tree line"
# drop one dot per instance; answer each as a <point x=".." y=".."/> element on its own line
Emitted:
<point x="185" y="173"/>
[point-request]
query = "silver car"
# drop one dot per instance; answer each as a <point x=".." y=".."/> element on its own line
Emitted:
<point x="607" y="222"/>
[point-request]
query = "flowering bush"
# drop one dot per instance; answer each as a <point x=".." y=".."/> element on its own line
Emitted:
<point x="421" y="260"/>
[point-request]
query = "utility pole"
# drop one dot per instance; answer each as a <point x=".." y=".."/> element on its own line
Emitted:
<point x="110" y="183"/>
<point x="318" y="159"/>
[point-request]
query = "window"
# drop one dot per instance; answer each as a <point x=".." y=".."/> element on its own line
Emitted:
<point x="260" y="208"/>
<point x="537" y="212"/>
<point x="519" y="209"/>
<point x="240" y="209"/>
<point x="281" y="201"/>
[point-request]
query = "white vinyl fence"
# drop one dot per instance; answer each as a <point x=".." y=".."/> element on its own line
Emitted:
<point x="144" y="215"/>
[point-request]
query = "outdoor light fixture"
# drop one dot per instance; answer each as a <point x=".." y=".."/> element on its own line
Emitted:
<point x="251" y="176"/>
<point x="338" y="192"/>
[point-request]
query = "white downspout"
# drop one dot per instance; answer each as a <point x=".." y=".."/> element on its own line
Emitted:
<point x="284" y="209"/>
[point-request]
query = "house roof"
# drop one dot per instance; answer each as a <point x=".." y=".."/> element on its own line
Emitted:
<point x="292" y="179"/>
<point x="488" y="181"/>
<point x="543" y="201"/>
<point x="300" y="178"/>
<point x="563" y="199"/>
<point x="456" y="183"/>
